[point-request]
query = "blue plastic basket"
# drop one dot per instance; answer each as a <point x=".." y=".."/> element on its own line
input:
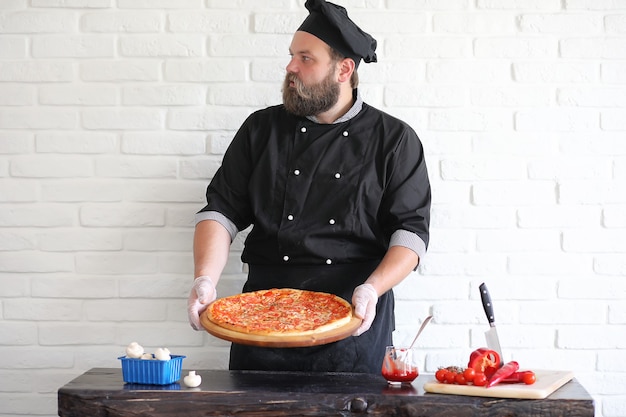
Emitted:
<point x="152" y="371"/>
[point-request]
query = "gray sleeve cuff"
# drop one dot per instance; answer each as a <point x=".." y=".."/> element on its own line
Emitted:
<point x="221" y="219"/>
<point x="409" y="240"/>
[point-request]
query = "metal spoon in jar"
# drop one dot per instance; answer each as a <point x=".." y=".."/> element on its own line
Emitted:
<point x="424" y="323"/>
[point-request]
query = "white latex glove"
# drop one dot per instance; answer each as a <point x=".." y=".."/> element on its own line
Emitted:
<point x="202" y="294"/>
<point x="364" y="299"/>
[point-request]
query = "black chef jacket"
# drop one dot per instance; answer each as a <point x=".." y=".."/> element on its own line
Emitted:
<point x="324" y="201"/>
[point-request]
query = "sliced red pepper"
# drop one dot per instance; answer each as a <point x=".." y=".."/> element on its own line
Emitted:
<point x="506" y="371"/>
<point x="527" y="377"/>
<point x="483" y="359"/>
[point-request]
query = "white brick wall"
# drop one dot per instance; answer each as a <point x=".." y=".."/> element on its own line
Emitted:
<point x="114" y="114"/>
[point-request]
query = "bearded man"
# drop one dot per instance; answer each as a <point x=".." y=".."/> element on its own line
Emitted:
<point x="337" y="193"/>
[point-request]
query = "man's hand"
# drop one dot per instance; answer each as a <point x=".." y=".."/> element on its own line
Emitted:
<point x="202" y="293"/>
<point x="364" y="300"/>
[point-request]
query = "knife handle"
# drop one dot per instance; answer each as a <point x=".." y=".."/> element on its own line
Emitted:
<point x="487" y="304"/>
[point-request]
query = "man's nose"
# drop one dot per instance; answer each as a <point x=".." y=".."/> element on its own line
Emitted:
<point x="291" y="66"/>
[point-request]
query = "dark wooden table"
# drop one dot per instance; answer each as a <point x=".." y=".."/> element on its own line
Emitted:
<point x="101" y="392"/>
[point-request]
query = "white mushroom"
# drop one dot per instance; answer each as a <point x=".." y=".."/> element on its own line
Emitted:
<point x="192" y="380"/>
<point x="162" y="354"/>
<point x="147" y="356"/>
<point x="134" y="350"/>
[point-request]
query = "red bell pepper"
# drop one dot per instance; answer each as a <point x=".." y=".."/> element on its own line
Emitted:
<point x="483" y="359"/>
<point x="504" y="372"/>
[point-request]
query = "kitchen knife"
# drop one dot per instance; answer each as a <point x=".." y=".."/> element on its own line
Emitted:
<point x="493" y="342"/>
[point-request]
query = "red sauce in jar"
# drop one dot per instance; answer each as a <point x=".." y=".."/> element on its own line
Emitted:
<point x="399" y="375"/>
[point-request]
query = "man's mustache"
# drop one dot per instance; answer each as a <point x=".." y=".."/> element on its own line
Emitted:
<point x="298" y="85"/>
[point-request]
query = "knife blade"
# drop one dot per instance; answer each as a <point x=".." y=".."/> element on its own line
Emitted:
<point x="493" y="341"/>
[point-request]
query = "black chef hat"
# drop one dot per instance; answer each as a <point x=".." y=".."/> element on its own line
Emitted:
<point x="331" y="23"/>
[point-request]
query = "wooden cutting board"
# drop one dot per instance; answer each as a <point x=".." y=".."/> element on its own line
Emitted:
<point x="322" y="338"/>
<point x="547" y="382"/>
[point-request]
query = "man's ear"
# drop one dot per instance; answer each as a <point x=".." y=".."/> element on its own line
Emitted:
<point x="346" y="68"/>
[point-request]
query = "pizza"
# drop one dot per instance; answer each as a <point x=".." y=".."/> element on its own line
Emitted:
<point x="280" y="312"/>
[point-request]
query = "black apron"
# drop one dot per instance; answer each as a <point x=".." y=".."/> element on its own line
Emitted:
<point x="362" y="354"/>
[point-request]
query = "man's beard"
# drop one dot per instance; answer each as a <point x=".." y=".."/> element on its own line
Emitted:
<point x="303" y="100"/>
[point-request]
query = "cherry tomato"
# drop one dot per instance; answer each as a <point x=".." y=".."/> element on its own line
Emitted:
<point x="451" y="377"/>
<point x="480" y="380"/>
<point x="529" y="378"/>
<point x="440" y="375"/>
<point x="469" y="373"/>
<point x="460" y="379"/>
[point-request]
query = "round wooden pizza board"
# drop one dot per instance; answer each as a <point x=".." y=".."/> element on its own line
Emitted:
<point x="281" y="341"/>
